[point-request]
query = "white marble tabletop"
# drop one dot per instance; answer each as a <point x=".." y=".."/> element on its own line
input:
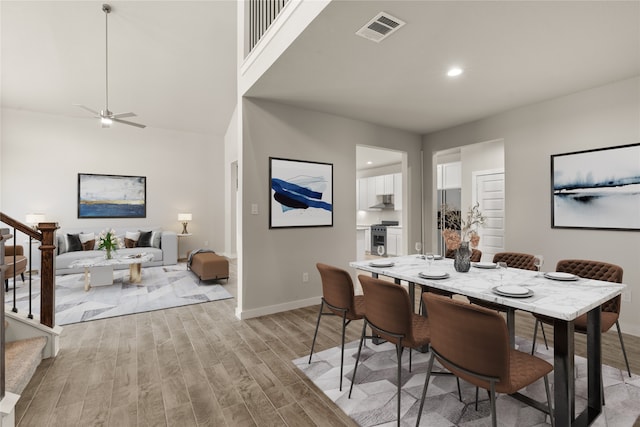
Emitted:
<point x="564" y="300"/>
<point x="102" y="261"/>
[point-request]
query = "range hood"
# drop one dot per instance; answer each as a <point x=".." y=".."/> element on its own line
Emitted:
<point x="386" y="203"/>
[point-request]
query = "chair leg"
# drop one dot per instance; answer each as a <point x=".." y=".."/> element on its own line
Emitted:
<point x="409" y="360"/>
<point x="399" y="349"/>
<point x="476" y="399"/>
<point x="535" y="337"/>
<point x="548" y="390"/>
<point x="624" y="352"/>
<point x="459" y="391"/>
<point x="355" y="368"/>
<point x="22" y="277"/>
<point x="426" y="386"/>
<point x="315" y="334"/>
<point x="544" y="336"/>
<point x="492" y="398"/>
<point x="344" y="325"/>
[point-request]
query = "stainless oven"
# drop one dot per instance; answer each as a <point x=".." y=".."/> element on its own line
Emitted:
<point x="379" y="236"/>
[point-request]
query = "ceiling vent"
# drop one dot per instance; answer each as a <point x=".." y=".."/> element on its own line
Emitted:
<point x="380" y="27"/>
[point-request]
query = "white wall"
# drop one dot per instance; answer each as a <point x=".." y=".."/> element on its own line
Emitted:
<point x="273" y="260"/>
<point x="601" y="117"/>
<point x="42" y="154"/>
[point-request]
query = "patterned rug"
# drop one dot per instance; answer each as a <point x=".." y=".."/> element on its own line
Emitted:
<point x="373" y="401"/>
<point x="161" y="287"/>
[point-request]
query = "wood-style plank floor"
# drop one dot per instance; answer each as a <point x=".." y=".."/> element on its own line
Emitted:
<point x="200" y="366"/>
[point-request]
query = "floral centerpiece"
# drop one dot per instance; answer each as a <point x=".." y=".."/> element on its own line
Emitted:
<point x="108" y="241"/>
<point x="457" y="230"/>
<point x="459" y="233"/>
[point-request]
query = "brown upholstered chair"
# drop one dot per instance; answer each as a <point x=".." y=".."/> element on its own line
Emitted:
<point x="389" y="313"/>
<point x="15" y="265"/>
<point x="338" y="296"/>
<point x="476" y="254"/>
<point x="596" y="270"/>
<point x="473" y="343"/>
<point x="513" y="260"/>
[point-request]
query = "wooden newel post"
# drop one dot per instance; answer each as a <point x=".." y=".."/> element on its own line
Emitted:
<point x="47" y="275"/>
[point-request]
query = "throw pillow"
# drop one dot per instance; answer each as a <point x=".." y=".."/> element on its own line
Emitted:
<point x="145" y="239"/>
<point x="89" y="245"/>
<point x="155" y="239"/>
<point x="88" y="241"/>
<point x="73" y="243"/>
<point x="131" y="239"/>
<point x="62" y="244"/>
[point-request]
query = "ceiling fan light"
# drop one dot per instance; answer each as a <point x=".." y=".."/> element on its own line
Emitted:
<point x="106" y="121"/>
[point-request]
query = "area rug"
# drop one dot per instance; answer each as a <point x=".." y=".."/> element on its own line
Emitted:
<point x="373" y="401"/>
<point x="161" y="287"/>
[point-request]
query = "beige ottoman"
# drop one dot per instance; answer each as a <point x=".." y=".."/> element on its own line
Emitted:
<point x="209" y="266"/>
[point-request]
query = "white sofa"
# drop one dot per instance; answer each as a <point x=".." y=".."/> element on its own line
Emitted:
<point x="165" y="254"/>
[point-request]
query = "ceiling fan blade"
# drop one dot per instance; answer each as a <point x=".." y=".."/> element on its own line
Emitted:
<point x="87" y="109"/>
<point x="122" y="115"/>
<point x="126" y="122"/>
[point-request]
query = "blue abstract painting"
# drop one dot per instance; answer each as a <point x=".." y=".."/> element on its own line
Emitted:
<point x="597" y="188"/>
<point x="111" y="196"/>
<point x="301" y="193"/>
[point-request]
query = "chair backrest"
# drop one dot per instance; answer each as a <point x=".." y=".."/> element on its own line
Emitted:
<point x="596" y="270"/>
<point x="476" y="254"/>
<point x="337" y="287"/>
<point x="516" y="260"/>
<point x="387" y="306"/>
<point x="472" y="337"/>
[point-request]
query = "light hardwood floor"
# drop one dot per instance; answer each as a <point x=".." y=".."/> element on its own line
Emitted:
<point x="200" y="366"/>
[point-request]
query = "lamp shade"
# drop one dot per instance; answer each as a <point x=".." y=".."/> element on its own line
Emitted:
<point x="184" y="217"/>
<point x="34" y="218"/>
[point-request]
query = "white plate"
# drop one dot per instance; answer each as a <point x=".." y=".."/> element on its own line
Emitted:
<point x="380" y="264"/>
<point x="485" y="264"/>
<point x="513" y="291"/>
<point x="437" y="257"/>
<point x="433" y="274"/>
<point x="557" y="275"/>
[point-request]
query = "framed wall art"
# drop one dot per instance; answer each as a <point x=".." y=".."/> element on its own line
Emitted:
<point x="596" y="189"/>
<point x="301" y="193"/>
<point x="111" y="196"/>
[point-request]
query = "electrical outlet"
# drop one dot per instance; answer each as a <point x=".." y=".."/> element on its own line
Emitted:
<point x="305" y="277"/>
<point x="206" y="243"/>
<point x="626" y="296"/>
<point x="254" y="209"/>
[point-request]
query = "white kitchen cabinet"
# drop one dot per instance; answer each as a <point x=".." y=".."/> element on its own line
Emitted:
<point x="372" y="198"/>
<point x="449" y="175"/>
<point x="394" y="241"/>
<point x="397" y="191"/>
<point x="379" y="180"/>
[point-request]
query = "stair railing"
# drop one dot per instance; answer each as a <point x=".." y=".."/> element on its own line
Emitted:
<point x="44" y="233"/>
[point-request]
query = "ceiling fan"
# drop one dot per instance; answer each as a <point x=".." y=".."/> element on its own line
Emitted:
<point x="107" y="117"/>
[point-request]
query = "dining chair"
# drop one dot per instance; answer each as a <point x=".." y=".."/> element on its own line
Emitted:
<point x="389" y="313"/>
<point x="513" y="260"/>
<point x="610" y="310"/>
<point x="476" y="254"/>
<point x="472" y="342"/>
<point x="339" y="297"/>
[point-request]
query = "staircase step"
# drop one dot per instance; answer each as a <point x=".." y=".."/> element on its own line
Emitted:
<point x="21" y="361"/>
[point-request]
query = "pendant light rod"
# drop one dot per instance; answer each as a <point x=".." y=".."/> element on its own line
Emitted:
<point x="107" y="9"/>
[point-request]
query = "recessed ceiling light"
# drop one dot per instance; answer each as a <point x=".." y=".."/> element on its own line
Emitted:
<point x="369" y="162"/>
<point x="454" y="71"/>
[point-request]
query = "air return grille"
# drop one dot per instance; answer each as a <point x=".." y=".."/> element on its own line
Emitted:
<point x="380" y="27"/>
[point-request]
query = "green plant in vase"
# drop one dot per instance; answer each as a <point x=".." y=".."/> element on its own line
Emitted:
<point x="108" y="241"/>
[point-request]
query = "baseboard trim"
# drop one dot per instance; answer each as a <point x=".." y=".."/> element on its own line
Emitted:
<point x="278" y="308"/>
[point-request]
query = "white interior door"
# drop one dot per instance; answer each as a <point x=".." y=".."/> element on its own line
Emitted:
<point x="488" y="190"/>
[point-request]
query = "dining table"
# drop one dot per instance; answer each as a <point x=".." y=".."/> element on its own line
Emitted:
<point x="557" y="295"/>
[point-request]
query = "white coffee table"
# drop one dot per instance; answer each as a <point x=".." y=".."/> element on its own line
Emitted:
<point x="99" y="271"/>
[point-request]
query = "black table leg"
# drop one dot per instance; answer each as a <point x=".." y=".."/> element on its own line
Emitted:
<point x="511" y="326"/>
<point x="563" y="373"/>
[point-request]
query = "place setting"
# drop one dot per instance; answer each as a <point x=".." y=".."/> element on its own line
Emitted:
<point x="432" y="274"/>
<point x="511" y="291"/>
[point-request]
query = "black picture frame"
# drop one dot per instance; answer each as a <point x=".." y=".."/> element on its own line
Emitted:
<point x="597" y="189"/>
<point x="111" y="196"/>
<point x="300" y="193"/>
